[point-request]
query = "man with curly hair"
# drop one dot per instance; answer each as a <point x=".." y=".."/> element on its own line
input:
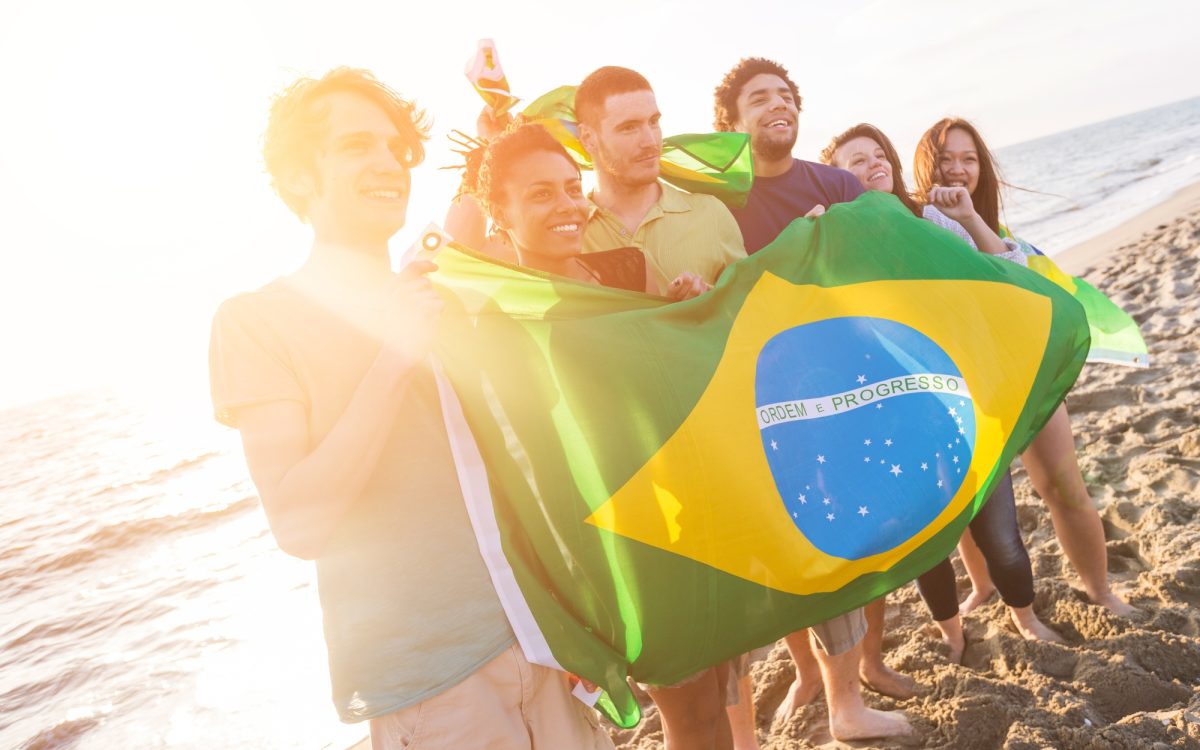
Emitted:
<point x="325" y="374"/>
<point x="758" y="97"/>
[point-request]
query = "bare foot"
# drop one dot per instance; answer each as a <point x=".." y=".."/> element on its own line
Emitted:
<point x="953" y="637"/>
<point x="957" y="647"/>
<point x="1114" y="604"/>
<point x="1030" y="627"/>
<point x="865" y="723"/>
<point x="974" y="600"/>
<point x="883" y="679"/>
<point x="800" y="693"/>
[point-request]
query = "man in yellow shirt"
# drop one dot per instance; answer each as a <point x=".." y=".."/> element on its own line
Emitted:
<point x="678" y="231"/>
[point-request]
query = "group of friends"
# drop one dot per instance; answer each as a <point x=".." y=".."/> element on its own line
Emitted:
<point x="325" y="373"/>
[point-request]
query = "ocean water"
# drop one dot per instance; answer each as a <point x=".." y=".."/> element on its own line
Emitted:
<point x="1091" y="179"/>
<point x="143" y="603"/>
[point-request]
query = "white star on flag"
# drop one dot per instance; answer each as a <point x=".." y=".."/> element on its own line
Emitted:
<point x="861" y="379"/>
<point x="795" y="515"/>
<point x="829" y="516"/>
<point x="924" y="466"/>
<point x="956" y="459"/>
<point x="862" y="510"/>
<point x="952" y="412"/>
<point x="867" y="459"/>
<point x="888" y="442"/>
<point x="803" y="500"/>
<point x="895" y="470"/>
<point x="774" y="445"/>
<point x="878" y="406"/>
<point x="867" y="441"/>
<point x="939" y="483"/>
<point x="821" y="459"/>
<point x="962" y="403"/>
<point x="826" y="501"/>
<point x="961" y="431"/>
<point x="959" y="420"/>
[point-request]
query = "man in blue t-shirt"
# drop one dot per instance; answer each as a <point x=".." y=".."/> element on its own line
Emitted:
<point x="758" y="97"/>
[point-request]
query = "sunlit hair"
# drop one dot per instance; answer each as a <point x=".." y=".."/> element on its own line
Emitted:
<point x="725" y="111"/>
<point x="487" y="178"/>
<point x="601" y="84"/>
<point x="298" y="123"/>
<point x="866" y="130"/>
<point x="927" y="173"/>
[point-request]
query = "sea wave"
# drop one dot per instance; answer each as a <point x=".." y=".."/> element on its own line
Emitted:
<point x="127" y="534"/>
<point x="64" y="735"/>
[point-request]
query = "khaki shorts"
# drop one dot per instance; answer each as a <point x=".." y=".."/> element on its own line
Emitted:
<point x="839" y="635"/>
<point x="507" y="704"/>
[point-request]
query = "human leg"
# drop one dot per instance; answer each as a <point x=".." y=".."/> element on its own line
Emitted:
<point x="741" y="717"/>
<point x="840" y="634"/>
<point x="1054" y="471"/>
<point x="938" y="590"/>
<point x="982" y="587"/>
<point x="873" y="672"/>
<point x="807" y="684"/>
<point x="996" y="532"/>
<point x="693" y="713"/>
<point x="849" y="716"/>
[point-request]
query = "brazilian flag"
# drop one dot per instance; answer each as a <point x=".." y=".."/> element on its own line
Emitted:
<point x="1115" y="335"/>
<point x="660" y="486"/>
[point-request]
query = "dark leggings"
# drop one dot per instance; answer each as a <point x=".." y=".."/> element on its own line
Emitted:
<point x="998" y="537"/>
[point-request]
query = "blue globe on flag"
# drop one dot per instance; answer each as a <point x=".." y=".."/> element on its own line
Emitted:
<point x="868" y="428"/>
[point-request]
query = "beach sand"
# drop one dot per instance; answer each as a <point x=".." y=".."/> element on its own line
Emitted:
<point x="1116" y="683"/>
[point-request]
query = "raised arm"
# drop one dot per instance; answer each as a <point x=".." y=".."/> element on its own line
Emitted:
<point x="466" y="221"/>
<point x="955" y="203"/>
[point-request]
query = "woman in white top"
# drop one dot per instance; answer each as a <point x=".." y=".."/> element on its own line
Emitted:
<point x="952" y="156"/>
<point x="869" y="155"/>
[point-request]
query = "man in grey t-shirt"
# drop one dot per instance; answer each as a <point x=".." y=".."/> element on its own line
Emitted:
<point x="325" y="374"/>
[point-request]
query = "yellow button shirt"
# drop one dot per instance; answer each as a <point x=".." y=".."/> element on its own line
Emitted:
<point x="681" y="232"/>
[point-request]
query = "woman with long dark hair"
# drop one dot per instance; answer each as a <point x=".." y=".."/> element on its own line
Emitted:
<point x="953" y="156"/>
<point x="869" y="155"/>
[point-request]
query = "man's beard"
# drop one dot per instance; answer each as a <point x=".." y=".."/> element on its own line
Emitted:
<point x="623" y="178"/>
<point x="772" y="149"/>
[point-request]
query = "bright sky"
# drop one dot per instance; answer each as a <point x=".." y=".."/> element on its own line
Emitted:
<point x="133" y="199"/>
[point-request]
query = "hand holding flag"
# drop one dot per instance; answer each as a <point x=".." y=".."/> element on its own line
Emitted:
<point x="487" y="76"/>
